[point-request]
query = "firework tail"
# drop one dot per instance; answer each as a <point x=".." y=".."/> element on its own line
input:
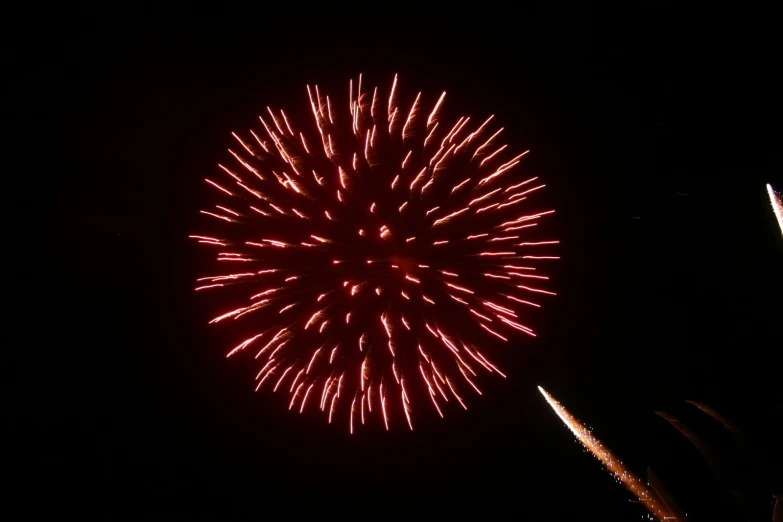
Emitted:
<point x="777" y="206"/>
<point x="718" y="417"/>
<point x="631" y="482"/>
<point x="709" y="458"/>
<point x="665" y="496"/>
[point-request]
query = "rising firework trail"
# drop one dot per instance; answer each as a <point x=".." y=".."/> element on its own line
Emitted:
<point x="632" y="483"/>
<point x="777" y="206"/>
<point x="379" y="257"/>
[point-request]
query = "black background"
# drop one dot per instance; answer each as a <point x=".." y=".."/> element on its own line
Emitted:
<point x="655" y="131"/>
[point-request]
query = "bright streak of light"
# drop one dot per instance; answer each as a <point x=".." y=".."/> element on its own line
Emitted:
<point x="777" y="206"/>
<point x="618" y="470"/>
<point x="435" y="110"/>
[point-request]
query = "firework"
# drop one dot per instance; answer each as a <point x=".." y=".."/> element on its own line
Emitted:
<point x="695" y="439"/>
<point x="777" y="206"/>
<point x="717" y="416"/>
<point x="698" y="443"/>
<point x="666" y="498"/>
<point x="631" y="482"/>
<point x="378" y="256"/>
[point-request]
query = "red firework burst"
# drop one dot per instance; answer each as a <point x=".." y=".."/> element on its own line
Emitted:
<point x="379" y="256"/>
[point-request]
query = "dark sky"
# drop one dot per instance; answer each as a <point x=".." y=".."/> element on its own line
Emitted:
<point x="655" y="133"/>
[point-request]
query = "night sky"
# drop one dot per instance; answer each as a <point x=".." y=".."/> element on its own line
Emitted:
<point x="655" y="132"/>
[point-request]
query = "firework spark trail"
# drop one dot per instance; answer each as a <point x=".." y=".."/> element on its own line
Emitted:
<point x="695" y="440"/>
<point x="718" y="417"/>
<point x="380" y="256"/>
<point x="666" y="498"/>
<point x="706" y="454"/>
<point x="777" y="206"/>
<point x="631" y="482"/>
